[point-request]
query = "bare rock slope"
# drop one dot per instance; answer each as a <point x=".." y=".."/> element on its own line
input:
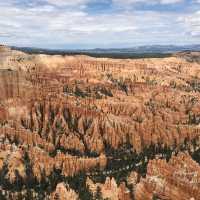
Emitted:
<point x="70" y="123"/>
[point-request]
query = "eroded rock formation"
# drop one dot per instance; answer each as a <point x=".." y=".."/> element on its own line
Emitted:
<point x="110" y="189"/>
<point x="65" y="117"/>
<point x="177" y="179"/>
<point x="64" y="193"/>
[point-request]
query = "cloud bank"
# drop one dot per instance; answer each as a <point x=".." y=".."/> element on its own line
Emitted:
<point x="92" y="23"/>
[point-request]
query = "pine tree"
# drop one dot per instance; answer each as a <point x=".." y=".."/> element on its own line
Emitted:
<point x="98" y="195"/>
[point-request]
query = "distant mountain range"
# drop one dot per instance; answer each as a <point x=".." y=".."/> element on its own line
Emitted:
<point x="149" y="49"/>
<point x="141" y="51"/>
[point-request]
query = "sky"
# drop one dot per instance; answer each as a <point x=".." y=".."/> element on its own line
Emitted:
<point x="84" y="24"/>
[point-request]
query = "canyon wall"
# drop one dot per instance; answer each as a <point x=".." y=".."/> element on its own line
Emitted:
<point x="69" y="118"/>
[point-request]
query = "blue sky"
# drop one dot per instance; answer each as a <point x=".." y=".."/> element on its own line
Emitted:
<point x="71" y="24"/>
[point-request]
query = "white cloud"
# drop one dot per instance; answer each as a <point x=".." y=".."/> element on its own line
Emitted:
<point x="192" y="24"/>
<point x="170" y="1"/>
<point x="68" y="2"/>
<point x="129" y="2"/>
<point x="49" y="25"/>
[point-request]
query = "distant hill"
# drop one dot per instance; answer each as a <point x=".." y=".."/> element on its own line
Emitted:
<point x="191" y="56"/>
<point x="135" y="52"/>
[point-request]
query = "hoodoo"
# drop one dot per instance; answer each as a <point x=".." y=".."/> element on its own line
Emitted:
<point x="79" y="127"/>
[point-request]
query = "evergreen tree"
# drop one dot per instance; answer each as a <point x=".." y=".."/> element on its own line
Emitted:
<point x="155" y="197"/>
<point x="98" y="195"/>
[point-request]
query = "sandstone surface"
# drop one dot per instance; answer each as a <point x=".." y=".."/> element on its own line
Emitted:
<point x="70" y="123"/>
